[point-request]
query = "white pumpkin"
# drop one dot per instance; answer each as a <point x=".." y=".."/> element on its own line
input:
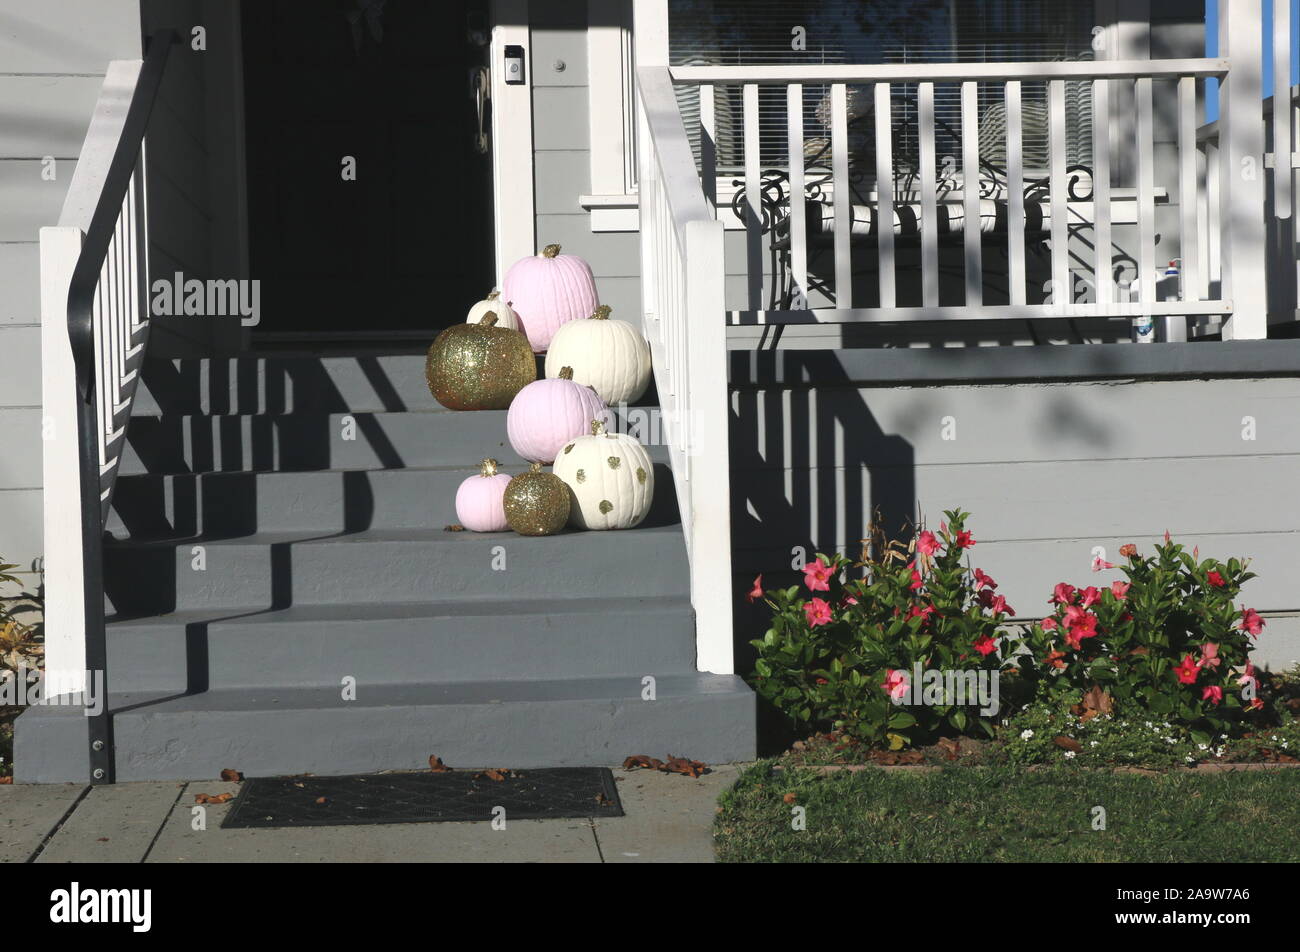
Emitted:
<point x="492" y="304"/>
<point x="610" y="478"/>
<point x="609" y="356"/>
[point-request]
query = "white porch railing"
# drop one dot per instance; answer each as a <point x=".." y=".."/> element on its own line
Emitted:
<point x="94" y="322"/>
<point x="866" y="232"/>
<point x="682" y="270"/>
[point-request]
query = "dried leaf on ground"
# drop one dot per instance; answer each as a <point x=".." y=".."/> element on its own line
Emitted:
<point x="1067" y="743"/>
<point x="213" y="798"/>
<point x="231" y="776"/>
<point x="454" y="527"/>
<point x="436" y="764"/>
<point x="790" y="798"/>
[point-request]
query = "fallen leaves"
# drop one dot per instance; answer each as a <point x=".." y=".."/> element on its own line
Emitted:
<point x="1067" y="743"/>
<point x="677" y="765"/>
<point x="897" y="758"/>
<point x="436" y="764"/>
<point x="1095" y="702"/>
<point x="213" y="798"/>
<point x="5" y="780"/>
<point x="790" y="798"/>
<point x="454" y="527"/>
<point x="496" y="774"/>
<point x="231" y="775"/>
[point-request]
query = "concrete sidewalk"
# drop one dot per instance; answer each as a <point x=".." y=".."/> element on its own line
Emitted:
<point x="669" y="820"/>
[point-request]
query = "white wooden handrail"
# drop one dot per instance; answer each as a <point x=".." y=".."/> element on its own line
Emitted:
<point x="682" y="275"/>
<point x="950" y="72"/>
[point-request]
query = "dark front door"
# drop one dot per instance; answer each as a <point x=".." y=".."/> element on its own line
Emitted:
<point x="370" y="205"/>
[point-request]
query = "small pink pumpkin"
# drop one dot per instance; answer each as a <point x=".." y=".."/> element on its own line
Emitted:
<point x="547" y="291"/>
<point x="547" y="414"/>
<point x="479" y="500"/>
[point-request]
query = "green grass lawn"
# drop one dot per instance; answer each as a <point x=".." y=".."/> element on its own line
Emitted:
<point x="1004" y="814"/>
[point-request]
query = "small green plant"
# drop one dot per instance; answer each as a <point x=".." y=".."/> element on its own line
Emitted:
<point x="1167" y="644"/>
<point x="844" y="654"/>
<point x="18" y="643"/>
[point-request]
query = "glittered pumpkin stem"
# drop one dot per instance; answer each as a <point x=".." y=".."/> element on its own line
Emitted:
<point x="488" y="467"/>
<point x="535" y="468"/>
<point x="602" y="313"/>
<point x="566" y="373"/>
<point x="550" y="251"/>
<point x="489" y="319"/>
<point x="597" y="427"/>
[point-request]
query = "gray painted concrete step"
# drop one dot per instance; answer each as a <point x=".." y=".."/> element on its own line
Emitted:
<point x="377" y="645"/>
<point x="518" y="724"/>
<point x="178" y="506"/>
<point x="389" y="565"/>
<point x="283" y="384"/>
<point x="316" y="441"/>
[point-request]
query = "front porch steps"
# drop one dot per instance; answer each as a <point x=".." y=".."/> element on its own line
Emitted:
<point x="278" y="533"/>
<point x="519" y="724"/>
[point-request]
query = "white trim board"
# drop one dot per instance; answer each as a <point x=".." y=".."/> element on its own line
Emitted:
<point x="512" y="137"/>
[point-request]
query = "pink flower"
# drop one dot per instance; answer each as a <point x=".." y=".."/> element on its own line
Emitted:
<point x="1048" y="624"/>
<point x="1186" y="671"/>
<point x="896" y="684"/>
<point x="916" y="577"/>
<point x="1215" y="579"/>
<point x="983" y="581"/>
<point x="1209" y="656"/>
<point x="916" y="611"/>
<point x="1212" y="692"/>
<point x="817" y="576"/>
<point x="999" y="606"/>
<point x="757" y="590"/>
<point x="1091" y="596"/>
<point x="985" y="645"/>
<point x="1251" y="622"/>
<point x="817" y="611"/>
<point x="1062" y="594"/>
<point x="1119" y="590"/>
<point x="965" y="540"/>
<point x="926" y="543"/>
<point x="847" y="600"/>
<point x="1248" y="677"/>
<point x="1080" y="624"/>
<point x="1098" y="564"/>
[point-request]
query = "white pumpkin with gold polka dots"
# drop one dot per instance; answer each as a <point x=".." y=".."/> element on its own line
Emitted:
<point x="610" y="478"/>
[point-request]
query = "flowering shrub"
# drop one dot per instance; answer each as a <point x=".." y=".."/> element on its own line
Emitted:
<point x="840" y="653"/>
<point x="1169" y="641"/>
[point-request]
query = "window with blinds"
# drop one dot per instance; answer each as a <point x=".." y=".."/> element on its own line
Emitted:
<point x="765" y="32"/>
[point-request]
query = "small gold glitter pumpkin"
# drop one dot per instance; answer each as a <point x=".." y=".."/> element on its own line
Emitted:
<point x="479" y="366"/>
<point x="537" y="503"/>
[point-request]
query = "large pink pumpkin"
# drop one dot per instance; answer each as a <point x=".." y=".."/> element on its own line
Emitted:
<point x="547" y="414"/>
<point x="479" y="500"/>
<point x="547" y="291"/>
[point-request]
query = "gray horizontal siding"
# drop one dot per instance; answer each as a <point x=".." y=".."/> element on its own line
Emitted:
<point x="53" y="55"/>
<point x="1048" y="471"/>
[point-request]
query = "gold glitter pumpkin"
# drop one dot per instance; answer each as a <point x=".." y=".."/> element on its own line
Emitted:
<point x="537" y="503"/>
<point x="479" y="366"/>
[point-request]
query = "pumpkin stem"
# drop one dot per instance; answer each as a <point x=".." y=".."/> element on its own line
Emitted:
<point x="602" y="313"/>
<point x="550" y="251"/>
<point x="488" y="467"/>
<point x="597" y="427"/>
<point x="566" y="373"/>
<point x="535" y="468"/>
<point x="492" y="295"/>
<point x="489" y="319"/>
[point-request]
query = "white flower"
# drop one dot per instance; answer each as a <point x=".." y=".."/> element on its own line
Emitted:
<point x="1026" y="734"/>
<point x="1069" y="755"/>
<point x="1202" y="746"/>
<point x="1092" y="743"/>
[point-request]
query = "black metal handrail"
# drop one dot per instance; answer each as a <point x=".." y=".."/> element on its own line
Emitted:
<point x="81" y="333"/>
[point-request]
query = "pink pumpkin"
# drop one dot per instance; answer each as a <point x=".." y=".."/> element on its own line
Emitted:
<point x="547" y="414"/>
<point x="547" y="291"/>
<point x="479" y="500"/>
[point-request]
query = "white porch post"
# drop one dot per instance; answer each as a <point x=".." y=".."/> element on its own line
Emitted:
<point x="65" y="620"/>
<point x="1242" y="144"/>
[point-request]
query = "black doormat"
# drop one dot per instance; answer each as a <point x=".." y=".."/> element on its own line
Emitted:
<point x="547" y="793"/>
